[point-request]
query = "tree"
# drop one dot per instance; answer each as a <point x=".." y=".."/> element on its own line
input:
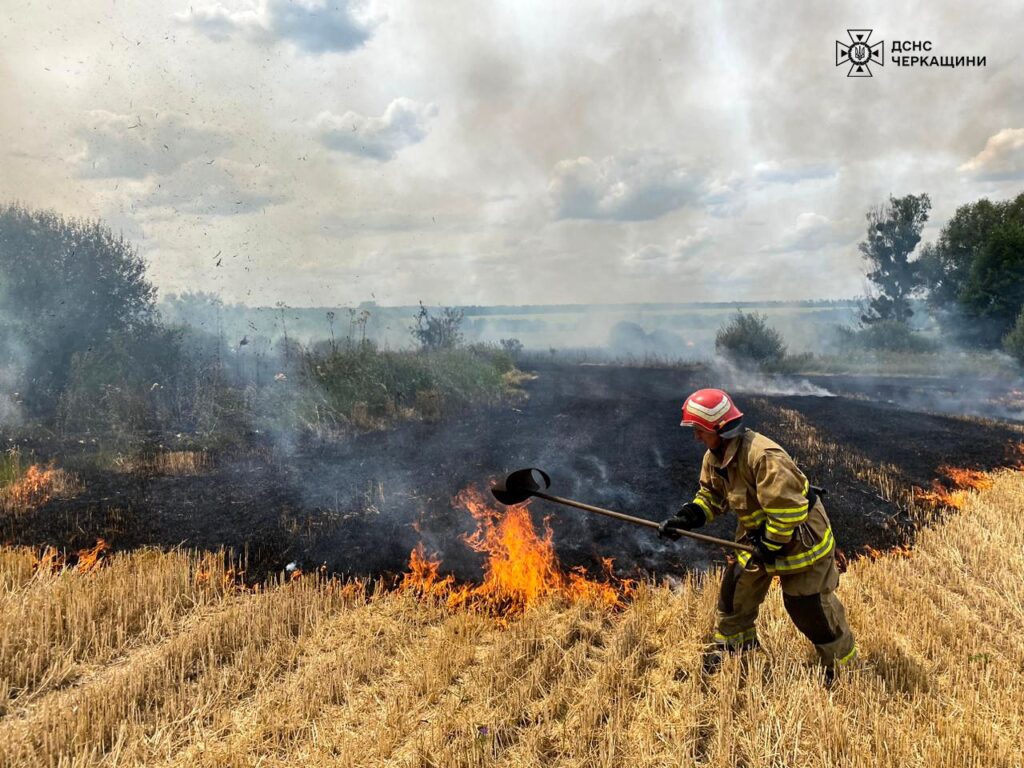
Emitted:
<point x="438" y="331"/>
<point x="973" y="271"/>
<point x="894" y="230"/>
<point x="1013" y="342"/>
<point x="946" y="264"/>
<point x="748" y="341"/>
<point x="995" y="285"/>
<point x="66" y="285"/>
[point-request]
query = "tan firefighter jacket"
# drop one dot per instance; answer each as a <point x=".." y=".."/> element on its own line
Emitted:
<point x="757" y="480"/>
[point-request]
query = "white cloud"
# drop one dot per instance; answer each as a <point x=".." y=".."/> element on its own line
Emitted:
<point x="404" y="123"/>
<point x="735" y="140"/>
<point x="311" y="25"/>
<point x="1002" y="157"/>
<point x="810" y="232"/>
<point x="631" y="187"/>
<point x="681" y="255"/>
<point x="143" y="144"/>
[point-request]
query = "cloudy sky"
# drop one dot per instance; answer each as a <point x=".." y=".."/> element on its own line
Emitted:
<point x="501" y="152"/>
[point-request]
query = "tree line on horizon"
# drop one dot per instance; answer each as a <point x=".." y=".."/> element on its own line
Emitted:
<point x="76" y="302"/>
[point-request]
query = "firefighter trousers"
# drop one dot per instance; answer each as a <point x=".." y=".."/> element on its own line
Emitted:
<point x="810" y="600"/>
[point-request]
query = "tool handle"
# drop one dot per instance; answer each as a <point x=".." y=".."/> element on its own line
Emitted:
<point x="642" y="521"/>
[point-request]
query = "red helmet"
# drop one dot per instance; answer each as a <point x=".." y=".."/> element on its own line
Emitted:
<point x="713" y="410"/>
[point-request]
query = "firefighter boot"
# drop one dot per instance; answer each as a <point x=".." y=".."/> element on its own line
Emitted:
<point x="712" y="659"/>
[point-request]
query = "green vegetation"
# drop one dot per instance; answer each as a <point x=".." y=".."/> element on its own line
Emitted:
<point x="11" y="467"/>
<point x="885" y="336"/>
<point x="967" y="363"/>
<point x="438" y="331"/>
<point x="972" y="277"/>
<point x="362" y="386"/>
<point x="81" y="337"/>
<point x="1013" y="342"/>
<point x="66" y="286"/>
<point x="894" y="230"/>
<point x="974" y="272"/>
<point x="749" y="342"/>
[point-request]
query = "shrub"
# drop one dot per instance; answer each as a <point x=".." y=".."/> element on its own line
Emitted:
<point x="365" y="386"/>
<point x="748" y="341"/>
<point x="513" y="348"/>
<point x="438" y="331"/>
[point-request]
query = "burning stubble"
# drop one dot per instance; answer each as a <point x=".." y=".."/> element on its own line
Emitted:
<point x="520" y="567"/>
<point x="306" y="673"/>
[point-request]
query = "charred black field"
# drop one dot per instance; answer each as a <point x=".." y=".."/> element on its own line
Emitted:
<point x="607" y="435"/>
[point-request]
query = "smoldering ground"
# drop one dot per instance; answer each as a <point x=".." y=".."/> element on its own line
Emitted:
<point x="607" y="435"/>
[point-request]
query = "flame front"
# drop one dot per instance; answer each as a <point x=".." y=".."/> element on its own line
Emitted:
<point x="33" y="489"/>
<point x="520" y="570"/>
<point x="964" y="480"/>
<point x="88" y="560"/>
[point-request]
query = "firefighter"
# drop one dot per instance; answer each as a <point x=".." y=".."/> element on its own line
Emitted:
<point x="782" y="516"/>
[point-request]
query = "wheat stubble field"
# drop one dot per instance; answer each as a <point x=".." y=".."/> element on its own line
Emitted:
<point x="161" y="659"/>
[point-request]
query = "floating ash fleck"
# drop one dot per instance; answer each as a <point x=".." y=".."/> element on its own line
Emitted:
<point x="520" y="569"/>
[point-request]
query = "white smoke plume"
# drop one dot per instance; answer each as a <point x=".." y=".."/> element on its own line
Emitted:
<point x="734" y="379"/>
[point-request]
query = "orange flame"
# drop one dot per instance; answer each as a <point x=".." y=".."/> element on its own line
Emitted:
<point x="520" y="570"/>
<point x="963" y="481"/>
<point x="89" y="559"/>
<point x="34" y="488"/>
<point x="49" y="561"/>
<point x="424" y="575"/>
<point x="52" y="560"/>
<point x="900" y="551"/>
<point x="941" y="496"/>
<point x="967" y="478"/>
<point x="1018" y="452"/>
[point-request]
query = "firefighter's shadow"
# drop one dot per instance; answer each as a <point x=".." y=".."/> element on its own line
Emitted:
<point x="899" y="672"/>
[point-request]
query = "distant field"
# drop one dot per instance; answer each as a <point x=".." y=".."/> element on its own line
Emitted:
<point x="803" y="327"/>
<point x="160" y="660"/>
<point x="538" y="327"/>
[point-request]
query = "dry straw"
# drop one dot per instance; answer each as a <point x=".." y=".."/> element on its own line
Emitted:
<point x="149" y="662"/>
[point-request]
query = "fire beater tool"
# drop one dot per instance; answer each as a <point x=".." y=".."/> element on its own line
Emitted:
<point x="523" y="483"/>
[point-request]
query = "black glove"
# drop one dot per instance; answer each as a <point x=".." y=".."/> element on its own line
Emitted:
<point x="767" y="550"/>
<point x="690" y="516"/>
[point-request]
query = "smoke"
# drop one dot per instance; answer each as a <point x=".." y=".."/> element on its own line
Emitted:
<point x="629" y="339"/>
<point x="11" y="353"/>
<point x="735" y="379"/>
<point x="10" y="409"/>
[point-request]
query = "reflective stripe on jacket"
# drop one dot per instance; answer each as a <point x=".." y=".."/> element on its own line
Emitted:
<point x="757" y="480"/>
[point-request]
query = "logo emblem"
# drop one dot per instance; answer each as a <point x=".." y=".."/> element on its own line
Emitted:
<point x="859" y="54"/>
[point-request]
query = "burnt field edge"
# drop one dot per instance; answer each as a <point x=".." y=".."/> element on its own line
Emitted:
<point x="609" y="437"/>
